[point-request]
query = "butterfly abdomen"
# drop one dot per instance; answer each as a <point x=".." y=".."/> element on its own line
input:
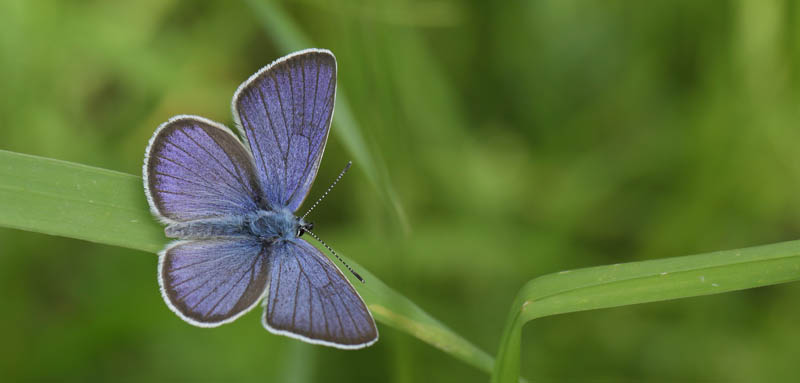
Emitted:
<point x="207" y="228"/>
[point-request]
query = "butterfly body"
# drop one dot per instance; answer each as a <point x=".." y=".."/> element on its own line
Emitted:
<point x="264" y="225"/>
<point x="231" y="202"/>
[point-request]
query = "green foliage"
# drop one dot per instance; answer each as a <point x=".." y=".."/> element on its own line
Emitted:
<point x="76" y="201"/>
<point x="641" y="282"/>
<point x="519" y="138"/>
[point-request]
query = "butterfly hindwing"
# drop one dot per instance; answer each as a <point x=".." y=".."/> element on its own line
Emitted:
<point x="284" y="112"/>
<point x="213" y="281"/>
<point x="195" y="168"/>
<point x="310" y="299"/>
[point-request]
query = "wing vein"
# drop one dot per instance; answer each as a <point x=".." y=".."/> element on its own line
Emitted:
<point x="280" y="103"/>
<point x="254" y="142"/>
<point x="274" y="135"/>
<point x="316" y="151"/>
<point x="212" y="156"/>
<point x="215" y="290"/>
<point x="203" y="261"/>
<point x="277" y="287"/>
<point x="204" y="165"/>
<point x="310" y="307"/>
<point x="192" y="290"/>
<point x="235" y="168"/>
<point x="314" y="101"/>
<point x="252" y="269"/>
<point x="183" y="166"/>
<point x="335" y="311"/>
<point x="297" y="291"/>
<point x="205" y="187"/>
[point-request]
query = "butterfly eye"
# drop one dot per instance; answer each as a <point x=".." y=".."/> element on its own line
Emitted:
<point x="304" y="228"/>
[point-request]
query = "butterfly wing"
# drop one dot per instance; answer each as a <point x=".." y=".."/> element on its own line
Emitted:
<point x="284" y="111"/>
<point x="310" y="299"/>
<point x="195" y="168"/>
<point x="212" y="282"/>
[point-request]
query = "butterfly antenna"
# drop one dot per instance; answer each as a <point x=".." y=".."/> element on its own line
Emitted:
<point x="336" y="255"/>
<point x="346" y="168"/>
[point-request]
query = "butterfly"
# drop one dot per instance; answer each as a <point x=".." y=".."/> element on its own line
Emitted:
<point x="231" y="204"/>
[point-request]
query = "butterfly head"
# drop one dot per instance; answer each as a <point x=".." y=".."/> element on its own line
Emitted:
<point x="304" y="227"/>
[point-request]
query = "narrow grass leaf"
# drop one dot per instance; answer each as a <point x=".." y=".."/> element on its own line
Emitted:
<point x="76" y="201"/>
<point x="395" y="310"/>
<point x="641" y="282"/>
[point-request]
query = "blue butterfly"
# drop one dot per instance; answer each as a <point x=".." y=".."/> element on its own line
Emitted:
<point x="232" y="206"/>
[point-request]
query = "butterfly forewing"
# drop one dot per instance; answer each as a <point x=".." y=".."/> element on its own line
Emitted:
<point x="211" y="282"/>
<point x="196" y="169"/>
<point x="310" y="299"/>
<point x="284" y="112"/>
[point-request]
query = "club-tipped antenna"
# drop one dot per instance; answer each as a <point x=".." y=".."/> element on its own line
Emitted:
<point x="346" y="168"/>
<point x="336" y="255"/>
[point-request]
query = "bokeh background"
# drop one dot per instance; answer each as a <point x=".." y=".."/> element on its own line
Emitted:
<point x="521" y="138"/>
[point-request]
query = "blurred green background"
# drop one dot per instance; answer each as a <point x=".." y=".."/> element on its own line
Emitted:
<point x="521" y="138"/>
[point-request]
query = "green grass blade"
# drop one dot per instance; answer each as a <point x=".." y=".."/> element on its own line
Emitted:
<point x="76" y="201"/>
<point x="641" y="282"/>
<point x="393" y="309"/>
<point x="103" y="206"/>
<point x="279" y="27"/>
